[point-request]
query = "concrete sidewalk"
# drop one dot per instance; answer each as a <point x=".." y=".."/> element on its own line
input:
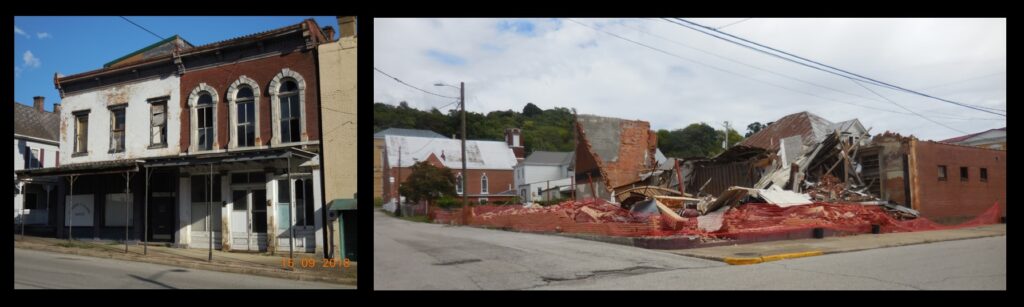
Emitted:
<point x="778" y="250"/>
<point x="263" y="264"/>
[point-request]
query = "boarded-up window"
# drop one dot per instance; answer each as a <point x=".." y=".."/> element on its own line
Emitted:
<point x="115" y="209"/>
<point x="81" y="133"/>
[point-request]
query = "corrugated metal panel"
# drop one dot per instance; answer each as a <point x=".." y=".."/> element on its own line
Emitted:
<point x="723" y="176"/>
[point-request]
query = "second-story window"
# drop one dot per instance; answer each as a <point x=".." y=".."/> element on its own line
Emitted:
<point x="290" y="112"/>
<point x="117" y="129"/>
<point x="246" y="118"/>
<point x="204" y="111"/>
<point x="158" y="123"/>
<point x="81" y="133"/>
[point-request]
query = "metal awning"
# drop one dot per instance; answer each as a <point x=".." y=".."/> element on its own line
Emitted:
<point x="343" y="204"/>
<point x="233" y="157"/>
<point x="87" y="168"/>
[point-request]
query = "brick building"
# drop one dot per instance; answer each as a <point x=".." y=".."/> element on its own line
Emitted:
<point x="205" y="145"/>
<point x="489" y="167"/>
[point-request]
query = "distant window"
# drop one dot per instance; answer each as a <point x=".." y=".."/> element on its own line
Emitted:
<point x="483" y="184"/>
<point x="963" y="173"/>
<point x="117" y="130"/>
<point x="81" y="133"/>
<point x="34" y="159"/>
<point x="942" y="173"/>
<point x="984" y="174"/>
<point x="458" y="184"/>
<point x="158" y="123"/>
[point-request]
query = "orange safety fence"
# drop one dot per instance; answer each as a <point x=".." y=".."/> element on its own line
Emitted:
<point x="744" y="221"/>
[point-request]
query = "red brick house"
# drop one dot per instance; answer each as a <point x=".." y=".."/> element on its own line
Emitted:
<point x="489" y="167"/>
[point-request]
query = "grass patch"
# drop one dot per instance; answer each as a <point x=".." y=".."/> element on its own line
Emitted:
<point x="75" y="245"/>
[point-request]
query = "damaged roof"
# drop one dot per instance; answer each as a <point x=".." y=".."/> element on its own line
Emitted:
<point x="34" y="123"/>
<point x="812" y="129"/>
<point x="481" y="154"/>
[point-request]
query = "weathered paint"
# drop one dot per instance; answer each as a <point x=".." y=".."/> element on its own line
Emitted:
<point x="137" y="120"/>
<point x="338" y="88"/>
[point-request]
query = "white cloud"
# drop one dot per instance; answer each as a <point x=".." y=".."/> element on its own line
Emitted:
<point x="42" y="35"/>
<point x="21" y="32"/>
<point x="563" y="64"/>
<point x="17" y="72"/>
<point x="30" y="60"/>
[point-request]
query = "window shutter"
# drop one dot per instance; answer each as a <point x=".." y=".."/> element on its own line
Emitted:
<point x="28" y="156"/>
<point x="57" y="155"/>
<point x="42" y="157"/>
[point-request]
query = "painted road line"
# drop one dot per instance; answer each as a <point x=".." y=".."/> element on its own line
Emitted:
<point x="776" y="257"/>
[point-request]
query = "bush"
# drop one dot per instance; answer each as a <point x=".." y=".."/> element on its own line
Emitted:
<point x="448" y="202"/>
<point x="378" y="202"/>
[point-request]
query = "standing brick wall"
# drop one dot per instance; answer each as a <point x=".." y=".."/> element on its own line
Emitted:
<point x="954" y="200"/>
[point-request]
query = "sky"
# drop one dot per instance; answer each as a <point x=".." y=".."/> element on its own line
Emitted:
<point x="69" y="45"/>
<point x="693" y="77"/>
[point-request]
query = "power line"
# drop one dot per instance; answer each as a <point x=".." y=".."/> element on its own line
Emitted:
<point x="770" y="72"/>
<point x="410" y="85"/>
<point x="905" y="108"/>
<point x="141" y="27"/>
<point x="730" y="72"/>
<point x="848" y="76"/>
<point x="723" y="27"/>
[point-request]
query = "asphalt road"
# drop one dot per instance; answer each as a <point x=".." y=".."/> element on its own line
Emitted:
<point x="410" y="255"/>
<point x="46" y="270"/>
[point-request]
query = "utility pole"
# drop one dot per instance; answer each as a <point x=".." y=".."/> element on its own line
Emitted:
<point x="465" y="176"/>
<point x="398" y="181"/>
<point x="725" y="143"/>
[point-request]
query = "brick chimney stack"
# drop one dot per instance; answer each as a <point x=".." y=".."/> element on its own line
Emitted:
<point x="515" y="141"/>
<point x="347" y="26"/>
<point x="329" y="30"/>
<point x="56" y="108"/>
<point x="38" y="103"/>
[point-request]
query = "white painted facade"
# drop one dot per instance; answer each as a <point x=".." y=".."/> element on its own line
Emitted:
<point x="534" y="191"/>
<point x="46" y="153"/>
<point x="137" y="120"/>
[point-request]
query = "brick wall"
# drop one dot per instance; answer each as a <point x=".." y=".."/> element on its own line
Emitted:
<point x="954" y="200"/>
<point x="497" y="181"/>
<point x="263" y="72"/>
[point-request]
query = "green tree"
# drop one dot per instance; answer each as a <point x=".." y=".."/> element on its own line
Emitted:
<point x="754" y="128"/>
<point x="696" y="140"/>
<point x="531" y="110"/>
<point x="428" y="182"/>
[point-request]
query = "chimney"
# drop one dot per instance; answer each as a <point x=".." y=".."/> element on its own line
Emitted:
<point x="347" y="26"/>
<point x="56" y="108"/>
<point x="38" y="102"/>
<point x="329" y="30"/>
<point x="515" y="142"/>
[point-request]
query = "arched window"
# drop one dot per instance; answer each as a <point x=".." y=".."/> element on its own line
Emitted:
<point x="246" y="117"/>
<point x="483" y="184"/>
<point x="202" y="103"/>
<point x="458" y="184"/>
<point x="288" y="108"/>
<point x="204" y="110"/>
<point x="291" y="128"/>
<point x="244" y="112"/>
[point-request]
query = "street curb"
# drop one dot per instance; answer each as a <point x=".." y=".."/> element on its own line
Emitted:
<point x="775" y="257"/>
<point x="194" y="265"/>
